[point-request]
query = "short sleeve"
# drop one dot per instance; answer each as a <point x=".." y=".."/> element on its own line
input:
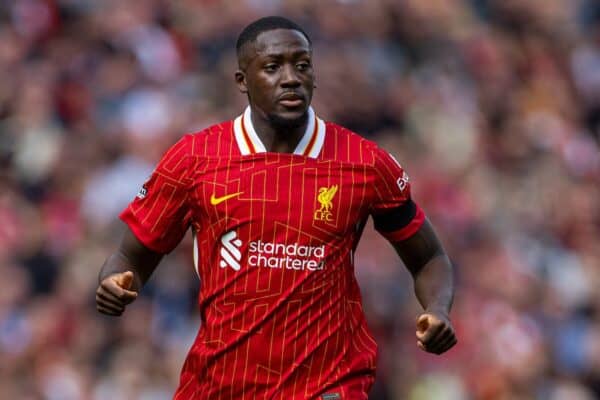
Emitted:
<point x="396" y="216"/>
<point x="159" y="216"/>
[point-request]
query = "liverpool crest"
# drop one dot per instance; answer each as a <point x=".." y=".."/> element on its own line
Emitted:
<point x="325" y="197"/>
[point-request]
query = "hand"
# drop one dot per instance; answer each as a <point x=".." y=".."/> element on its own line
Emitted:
<point x="435" y="333"/>
<point x="113" y="293"/>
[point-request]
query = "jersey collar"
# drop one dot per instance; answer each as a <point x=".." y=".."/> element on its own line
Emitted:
<point x="249" y="143"/>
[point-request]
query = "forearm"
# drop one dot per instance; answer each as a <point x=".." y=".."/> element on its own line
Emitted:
<point x="425" y="258"/>
<point x="434" y="284"/>
<point x="117" y="263"/>
<point x="131" y="256"/>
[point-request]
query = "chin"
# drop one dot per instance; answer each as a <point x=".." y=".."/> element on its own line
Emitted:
<point x="289" y="120"/>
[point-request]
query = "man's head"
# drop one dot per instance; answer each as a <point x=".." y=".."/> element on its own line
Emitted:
<point x="275" y="70"/>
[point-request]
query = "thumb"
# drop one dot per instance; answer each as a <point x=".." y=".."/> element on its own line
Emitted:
<point x="422" y="323"/>
<point x="124" y="279"/>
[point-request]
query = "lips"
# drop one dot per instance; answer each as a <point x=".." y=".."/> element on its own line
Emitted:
<point x="291" y="99"/>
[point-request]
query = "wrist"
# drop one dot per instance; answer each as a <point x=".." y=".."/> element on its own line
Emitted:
<point x="438" y="309"/>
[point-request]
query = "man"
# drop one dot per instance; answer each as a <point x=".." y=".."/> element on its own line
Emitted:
<point x="277" y="200"/>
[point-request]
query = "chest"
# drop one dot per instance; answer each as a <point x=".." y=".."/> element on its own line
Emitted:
<point x="277" y="190"/>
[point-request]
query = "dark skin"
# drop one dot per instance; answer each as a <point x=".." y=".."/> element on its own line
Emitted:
<point x="432" y="273"/>
<point x="275" y="72"/>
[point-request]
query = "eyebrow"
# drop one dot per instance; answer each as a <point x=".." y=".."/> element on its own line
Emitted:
<point x="297" y="53"/>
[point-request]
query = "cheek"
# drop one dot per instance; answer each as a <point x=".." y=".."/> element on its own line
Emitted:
<point x="263" y="89"/>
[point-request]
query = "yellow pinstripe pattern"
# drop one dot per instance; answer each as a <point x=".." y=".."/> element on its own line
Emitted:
<point x="269" y="209"/>
<point x="163" y="189"/>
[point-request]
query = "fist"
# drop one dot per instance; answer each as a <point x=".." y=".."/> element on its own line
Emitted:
<point x="114" y="293"/>
<point x="435" y="333"/>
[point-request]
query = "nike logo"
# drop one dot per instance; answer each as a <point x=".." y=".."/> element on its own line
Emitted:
<point x="218" y="200"/>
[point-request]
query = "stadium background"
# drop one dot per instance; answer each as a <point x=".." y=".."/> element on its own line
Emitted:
<point x="492" y="106"/>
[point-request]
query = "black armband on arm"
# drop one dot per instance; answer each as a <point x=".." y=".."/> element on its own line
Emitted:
<point x="400" y="223"/>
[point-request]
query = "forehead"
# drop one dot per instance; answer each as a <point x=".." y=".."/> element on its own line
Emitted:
<point x="280" y="41"/>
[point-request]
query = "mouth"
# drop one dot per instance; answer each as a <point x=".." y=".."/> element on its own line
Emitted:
<point x="291" y="100"/>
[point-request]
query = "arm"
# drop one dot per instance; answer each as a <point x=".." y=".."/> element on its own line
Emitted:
<point x="403" y="223"/>
<point x="123" y="274"/>
<point x="159" y="215"/>
<point x="425" y="258"/>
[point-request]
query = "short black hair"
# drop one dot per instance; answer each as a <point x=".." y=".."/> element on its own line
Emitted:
<point x="251" y="32"/>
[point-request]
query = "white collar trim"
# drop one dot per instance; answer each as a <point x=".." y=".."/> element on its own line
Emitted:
<point x="248" y="141"/>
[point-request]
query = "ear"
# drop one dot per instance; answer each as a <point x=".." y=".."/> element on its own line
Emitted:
<point x="240" y="79"/>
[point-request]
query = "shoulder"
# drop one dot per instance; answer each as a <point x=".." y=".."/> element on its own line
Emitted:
<point x="344" y="145"/>
<point x="214" y="140"/>
<point x="192" y="148"/>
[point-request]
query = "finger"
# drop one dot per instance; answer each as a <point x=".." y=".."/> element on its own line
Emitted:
<point x="444" y="343"/>
<point x="108" y="295"/>
<point x="108" y="310"/>
<point x="112" y="297"/>
<point x="110" y="288"/>
<point x="124" y="280"/>
<point x="101" y="299"/>
<point x="422" y="322"/>
<point x="129" y="296"/>
<point x="441" y="343"/>
<point x="448" y="345"/>
<point x="109" y="304"/>
<point x="442" y="336"/>
<point x="122" y="294"/>
<point x="433" y="330"/>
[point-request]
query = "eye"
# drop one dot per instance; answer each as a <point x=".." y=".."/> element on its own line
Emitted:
<point x="303" y="66"/>
<point x="272" y="67"/>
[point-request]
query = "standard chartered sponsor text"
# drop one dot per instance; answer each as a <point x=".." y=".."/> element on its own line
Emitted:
<point x="289" y="256"/>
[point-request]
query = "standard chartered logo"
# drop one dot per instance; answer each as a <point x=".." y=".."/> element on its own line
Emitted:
<point x="288" y="256"/>
<point x="230" y="250"/>
<point x="271" y="255"/>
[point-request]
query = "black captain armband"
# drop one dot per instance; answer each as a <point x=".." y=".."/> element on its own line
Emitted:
<point x="400" y="223"/>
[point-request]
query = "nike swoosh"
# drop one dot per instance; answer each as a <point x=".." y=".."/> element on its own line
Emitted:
<point x="218" y="200"/>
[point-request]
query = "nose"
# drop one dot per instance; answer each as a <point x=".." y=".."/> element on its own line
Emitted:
<point x="289" y="77"/>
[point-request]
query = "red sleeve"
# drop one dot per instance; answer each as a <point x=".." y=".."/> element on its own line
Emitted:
<point x="159" y="216"/>
<point x="397" y="217"/>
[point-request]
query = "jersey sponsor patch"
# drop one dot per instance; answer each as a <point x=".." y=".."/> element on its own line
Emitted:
<point x="402" y="182"/>
<point x="142" y="193"/>
<point x="143" y="190"/>
<point x="290" y="256"/>
<point x="230" y="251"/>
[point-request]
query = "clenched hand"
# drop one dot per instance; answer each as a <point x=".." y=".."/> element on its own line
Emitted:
<point x="114" y="293"/>
<point x="435" y="333"/>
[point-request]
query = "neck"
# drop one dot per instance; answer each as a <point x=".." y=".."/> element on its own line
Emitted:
<point x="278" y="136"/>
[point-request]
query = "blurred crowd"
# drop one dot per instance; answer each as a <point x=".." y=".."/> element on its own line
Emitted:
<point x="492" y="106"/>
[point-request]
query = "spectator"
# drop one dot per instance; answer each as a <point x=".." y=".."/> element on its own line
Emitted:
<point x="492" y="105"/>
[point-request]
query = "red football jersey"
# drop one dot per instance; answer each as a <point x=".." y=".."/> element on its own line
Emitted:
<point x="274" y="236"/>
